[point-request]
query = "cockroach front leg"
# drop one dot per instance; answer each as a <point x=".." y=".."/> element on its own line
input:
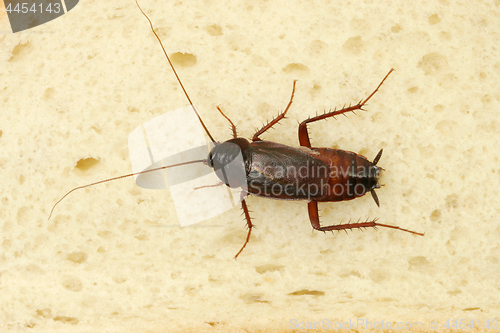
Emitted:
<point x="275" y="120"/>
<point x="314" y="217"/>
<point x="233" y="127"/>
<point x="304" y="135"/>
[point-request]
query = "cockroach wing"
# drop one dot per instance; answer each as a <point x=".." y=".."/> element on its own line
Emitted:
<point x="177" y="137"/>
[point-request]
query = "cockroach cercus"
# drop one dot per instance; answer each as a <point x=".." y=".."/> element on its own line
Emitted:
<point x="272" y="170"/>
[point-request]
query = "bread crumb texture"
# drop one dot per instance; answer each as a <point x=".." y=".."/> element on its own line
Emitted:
<point x="112" y="258"/>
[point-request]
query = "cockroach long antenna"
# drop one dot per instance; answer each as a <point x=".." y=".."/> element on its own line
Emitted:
<point x="120" y="177"/>
<point x="175" y="72"/>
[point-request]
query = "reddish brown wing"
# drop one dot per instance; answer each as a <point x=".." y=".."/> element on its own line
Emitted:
<point x="282" y="172"/>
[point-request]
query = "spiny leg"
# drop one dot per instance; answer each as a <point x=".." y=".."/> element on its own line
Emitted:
<point x="233" y="127"/>
<point x="314" y="217"/>
<point x="304" y="135"/>
<point x="275" y="120"/>
<point x="249" y="224"/>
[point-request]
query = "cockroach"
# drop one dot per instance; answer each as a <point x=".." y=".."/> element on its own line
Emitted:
<point x="276" y="171"/>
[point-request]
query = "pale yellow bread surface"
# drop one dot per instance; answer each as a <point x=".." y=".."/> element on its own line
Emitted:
<point x="113" y="257"/>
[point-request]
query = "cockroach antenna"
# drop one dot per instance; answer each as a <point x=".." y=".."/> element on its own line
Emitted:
<point x="160" y="168"/>
<point x="120" y="177"/>
<point x="175" y="73"/>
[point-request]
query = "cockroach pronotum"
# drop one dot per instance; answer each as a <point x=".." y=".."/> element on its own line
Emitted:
<point x="277" y="171"/>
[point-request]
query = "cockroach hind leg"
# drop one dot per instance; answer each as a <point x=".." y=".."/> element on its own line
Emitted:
<point x="314" y="217"/>
<point x="304" y="134"/>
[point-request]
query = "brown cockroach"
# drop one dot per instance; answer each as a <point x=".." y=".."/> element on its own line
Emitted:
<point x="276" y="171"/>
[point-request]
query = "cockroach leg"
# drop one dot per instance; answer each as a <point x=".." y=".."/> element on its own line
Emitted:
<point x="312" y="207"/>
<point x="275" y="120"/>
<point x="314" y="217"/>
<point x="304" y="135"/>
<point x="233" y="126"/>
<point x="249" y="224"/>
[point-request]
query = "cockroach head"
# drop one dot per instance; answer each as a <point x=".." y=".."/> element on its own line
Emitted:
<point x="228" y="159"/>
